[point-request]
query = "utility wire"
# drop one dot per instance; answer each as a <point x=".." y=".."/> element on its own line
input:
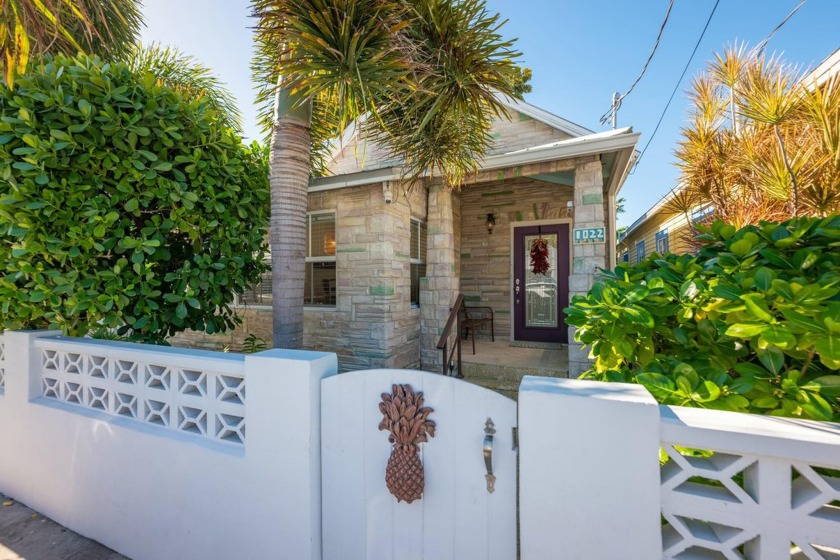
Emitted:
<point x="760" y="47"/>
<point x="606" y="116"/>
<point x="677" y="86"/>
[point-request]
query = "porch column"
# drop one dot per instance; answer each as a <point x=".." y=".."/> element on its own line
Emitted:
<point x="586" y="259"/>
<point x="440" y="287"/>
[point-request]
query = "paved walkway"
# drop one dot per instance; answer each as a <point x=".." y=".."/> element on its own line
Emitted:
<point x="27" y="535"/>
<point x="501" y="353"/>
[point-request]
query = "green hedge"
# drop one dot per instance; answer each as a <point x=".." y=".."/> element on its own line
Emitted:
<point x="750" y="324"/>
<point x="124" y="206"/>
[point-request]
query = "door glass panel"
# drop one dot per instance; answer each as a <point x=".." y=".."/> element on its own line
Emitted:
<point x="541" y="289"/>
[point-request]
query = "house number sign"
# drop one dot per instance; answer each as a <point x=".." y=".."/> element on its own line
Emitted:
<point x="584" y="236"/>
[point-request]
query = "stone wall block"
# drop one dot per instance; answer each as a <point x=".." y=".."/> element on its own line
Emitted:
<point x="441" y="285"/>
<point x="579" y="283"/>
<point x="589" y="213"/>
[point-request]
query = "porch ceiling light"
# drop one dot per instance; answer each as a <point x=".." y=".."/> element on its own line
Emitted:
<point x="491" y="223"/>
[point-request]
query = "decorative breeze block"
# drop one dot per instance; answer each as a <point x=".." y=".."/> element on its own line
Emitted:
<point x="204" y="403"/>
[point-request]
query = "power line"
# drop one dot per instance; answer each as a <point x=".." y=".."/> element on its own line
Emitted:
<point x="617" y="102"/>
<point x="762" y="44"/>
<point x="758" y="49"/>
<point x="677" y="86"/>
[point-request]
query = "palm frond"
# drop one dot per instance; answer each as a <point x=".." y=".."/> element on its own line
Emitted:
<point x="821" y="104"/>
<point x="771" y="172"/>
<point x="728" y="68"/>
<point x="351" y="52"/>
<point x="769" y="92"/>
<point x="443" y="123"/>
<point x="709" y="106"/>
<point x="187" y="75"/>
<point x="113" y="29"/>
<point x="341" y="55"/>
<point x="32" y="28"/>
<point x="427" y="73"/>
<point x="820" y="195"/>
<point x="682" y="201"/>
<point x="780" y="159"/>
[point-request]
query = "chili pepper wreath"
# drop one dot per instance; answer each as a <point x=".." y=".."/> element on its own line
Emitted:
<point x="539" y="256"/>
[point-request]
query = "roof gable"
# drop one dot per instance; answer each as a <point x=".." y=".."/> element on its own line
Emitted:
<point x="524" y="126"/>
<point x="571" y="129"/>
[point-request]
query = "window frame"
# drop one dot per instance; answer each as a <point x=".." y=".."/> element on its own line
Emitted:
<point x="237" y="301"/>
<point x="422" y="226"/>
<point x="702" y="213"/>
<point x="323" y="259"/>
<point x="640" y="255"/>
<point x="663" y="237"/>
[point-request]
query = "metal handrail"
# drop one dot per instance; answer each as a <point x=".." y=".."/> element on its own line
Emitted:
<point x="443" y="343"/>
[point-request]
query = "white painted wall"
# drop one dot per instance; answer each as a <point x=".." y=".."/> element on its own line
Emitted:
<point x="782" y="505"/>
<point x="588" y="470"/>
<point x="457" y="519"/>
<point x="592" y="486"/>
<point x="156" y="492"/>
<point x="135" y="478"/>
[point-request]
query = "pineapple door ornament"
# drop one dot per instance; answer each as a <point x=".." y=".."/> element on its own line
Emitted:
<point x="404" y="415"/>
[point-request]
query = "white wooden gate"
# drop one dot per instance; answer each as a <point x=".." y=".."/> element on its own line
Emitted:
<point x="457" y="518"/>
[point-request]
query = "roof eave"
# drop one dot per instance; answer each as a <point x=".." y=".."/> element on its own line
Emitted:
<point x="555" y="152"/>
<point x="357" y="179"/>
<point x="652" y="211"/>
<point x="625" y="160"/>
<point x="550" y="119"/>
<point x="624" y="144"/>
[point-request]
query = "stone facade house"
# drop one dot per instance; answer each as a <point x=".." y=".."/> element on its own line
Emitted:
<point x="387" y="258"/>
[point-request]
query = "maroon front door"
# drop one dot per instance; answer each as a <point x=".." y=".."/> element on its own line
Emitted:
<point x="539" y="299"/>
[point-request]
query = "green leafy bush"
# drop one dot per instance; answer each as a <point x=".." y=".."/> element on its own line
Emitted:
<point x="254" y="344"/>
<point x="124" y="206"/>
<point x="750" y="324"/>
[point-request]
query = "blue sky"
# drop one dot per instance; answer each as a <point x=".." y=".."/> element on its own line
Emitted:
<point x="580" y="51"/>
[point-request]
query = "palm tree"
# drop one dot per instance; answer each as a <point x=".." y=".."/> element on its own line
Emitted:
<point x="185" y="74"/>
<point x="762" y="143"/>
<point x="30" y="28"/>
<point x="425" y="73"/>
<point x="770" y="99"/>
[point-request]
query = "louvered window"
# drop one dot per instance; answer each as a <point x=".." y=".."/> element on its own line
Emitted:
<point x="418" y="258"/>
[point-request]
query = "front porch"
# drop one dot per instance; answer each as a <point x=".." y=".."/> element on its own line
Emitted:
<point x="501" y="365"/>
<point x="479" y="242"/>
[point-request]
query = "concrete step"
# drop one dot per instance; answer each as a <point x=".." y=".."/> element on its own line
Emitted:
<point x="492" y="372"/>
<point x="504" y="379"/>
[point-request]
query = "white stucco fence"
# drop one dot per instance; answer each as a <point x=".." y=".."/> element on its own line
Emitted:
<point x="164" y="452"/>
<point x="591" y="484"/>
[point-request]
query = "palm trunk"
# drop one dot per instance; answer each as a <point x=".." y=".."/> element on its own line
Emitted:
<point x="794" y="185"/>
<point x="732" y="108"/>
<point x="289" y="181"/>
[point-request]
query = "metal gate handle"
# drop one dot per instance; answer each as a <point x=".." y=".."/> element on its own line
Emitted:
<point x="489" y="430"/>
